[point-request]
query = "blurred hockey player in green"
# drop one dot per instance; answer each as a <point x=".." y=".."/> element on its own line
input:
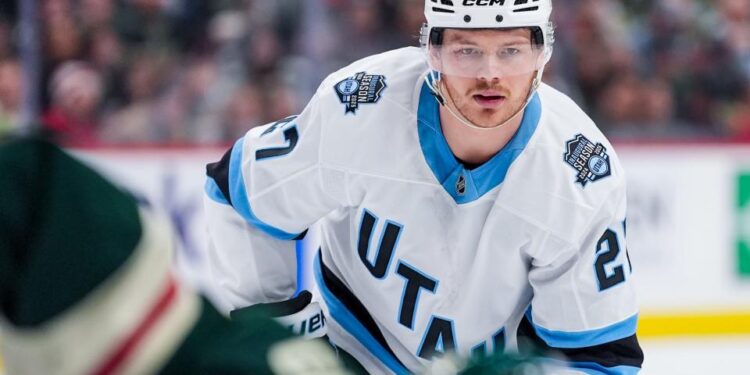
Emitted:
<point x="86" y="286"/>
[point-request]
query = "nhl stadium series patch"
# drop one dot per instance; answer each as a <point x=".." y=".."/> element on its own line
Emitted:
<point x="360" y="89"/>
<point x="589" y="159"/>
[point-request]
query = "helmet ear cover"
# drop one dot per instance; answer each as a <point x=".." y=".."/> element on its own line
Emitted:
<point x="537" y="36"/>
<point x="437" y="33"/>
<point x="436" y="36"/>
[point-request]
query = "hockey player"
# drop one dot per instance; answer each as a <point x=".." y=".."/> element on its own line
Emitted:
<point x="464" y="206"/>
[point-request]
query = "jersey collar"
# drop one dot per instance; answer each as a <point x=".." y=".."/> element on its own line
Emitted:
<point x="462" y="184"/>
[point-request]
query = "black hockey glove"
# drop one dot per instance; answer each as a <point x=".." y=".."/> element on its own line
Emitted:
<point x="300" y="315"/>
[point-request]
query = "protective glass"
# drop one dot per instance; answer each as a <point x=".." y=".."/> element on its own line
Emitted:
<point x="468" y="60"/>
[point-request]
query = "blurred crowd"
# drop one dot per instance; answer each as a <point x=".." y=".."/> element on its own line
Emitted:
<point x="204" y="72"/>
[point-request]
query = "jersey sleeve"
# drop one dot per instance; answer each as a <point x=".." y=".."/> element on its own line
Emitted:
<point x="584" y="303"/>
<point x="263" y="194"/>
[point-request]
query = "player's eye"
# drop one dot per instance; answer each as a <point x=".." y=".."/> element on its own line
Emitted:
<point x="468" y="52"/>
<point x="510" y="51"/>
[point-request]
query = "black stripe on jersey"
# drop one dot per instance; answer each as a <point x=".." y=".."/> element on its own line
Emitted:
<point x="623" y="352"/>
<point x="352" y="303"/>
<point x="219" y="171"/>
<point x="301" y="236"/>
<point x="275" y="309"/>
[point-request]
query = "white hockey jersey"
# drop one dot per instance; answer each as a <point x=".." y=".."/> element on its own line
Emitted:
<point x="420" y="255"/>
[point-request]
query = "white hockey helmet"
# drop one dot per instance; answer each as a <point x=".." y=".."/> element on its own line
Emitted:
<point x="490" y="14"/>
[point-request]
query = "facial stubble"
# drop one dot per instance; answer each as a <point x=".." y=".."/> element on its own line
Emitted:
<point x="485" y="117"/>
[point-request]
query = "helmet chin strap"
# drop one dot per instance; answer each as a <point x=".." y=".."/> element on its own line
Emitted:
<point x="436" y="86"/>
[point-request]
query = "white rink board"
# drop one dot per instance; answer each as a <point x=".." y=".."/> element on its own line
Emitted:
<point x="698" y="356"/>
<point x="681" y="223"/>
<point x="682" y="227"/>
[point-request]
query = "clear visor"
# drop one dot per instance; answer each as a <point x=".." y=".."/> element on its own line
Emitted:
<point x="460" y="59"/>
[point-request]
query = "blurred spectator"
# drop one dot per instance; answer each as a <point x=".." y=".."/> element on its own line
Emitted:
<point x="245" y="111"/>
<point x="107" y="55"/>
<point x="105" y="49"/>
<point x="10" y="94"/>
<point x="596" y="49"/>
<point x="282" y="102"/>
<point x="73" y="117"/>
<point x="138" y="120"/>
<point x="196" y="103"/>
<point x="738" y="118"/>
<point x="6" y="45"/>
<point x="362" y="30"/>
<point x="409" y="18"/>
<point x="96" y="14"/>
<point x="658" y="104"/>
<point x="620" y="101"/>
<point x="264" y="51"/>
<point x="177" y="71"/>
<point x="735" y="15"/>
<point x="62" y="38"/>
<point x="164" y="24"/>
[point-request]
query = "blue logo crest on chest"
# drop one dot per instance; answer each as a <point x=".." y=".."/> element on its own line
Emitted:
<point x="362" y="88"/>
<point x="590" y="160"/>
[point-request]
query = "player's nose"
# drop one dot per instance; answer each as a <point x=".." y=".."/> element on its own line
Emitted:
<point x="491" y="70"/>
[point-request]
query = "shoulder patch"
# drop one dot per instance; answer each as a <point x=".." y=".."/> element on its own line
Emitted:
<point x="588" y="159"/>
<point x="360" y="89"/>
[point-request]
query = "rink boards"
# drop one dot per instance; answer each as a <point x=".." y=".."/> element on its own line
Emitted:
<point x="686" y="225"/>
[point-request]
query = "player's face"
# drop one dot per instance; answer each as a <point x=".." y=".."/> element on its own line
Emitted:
<point x="488" y="73"/>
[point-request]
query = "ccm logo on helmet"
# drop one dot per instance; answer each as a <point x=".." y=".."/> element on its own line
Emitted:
<point x="470" y="3"/>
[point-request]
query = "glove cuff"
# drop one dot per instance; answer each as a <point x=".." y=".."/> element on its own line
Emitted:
<point x="299" y="315"/>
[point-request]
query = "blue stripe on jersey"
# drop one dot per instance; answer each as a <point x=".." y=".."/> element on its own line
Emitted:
<point x="347" y="320"/>
<point x="213" y="191"/>
<point x="302" y="282"/>
<point x="582" y="339"/>
<point x="447" y="169"/>
<point x="592" y="368"/>
<point x="239" y="195"/>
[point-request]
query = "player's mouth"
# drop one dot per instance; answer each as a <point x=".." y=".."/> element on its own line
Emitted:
<point x="489" y="99"/>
